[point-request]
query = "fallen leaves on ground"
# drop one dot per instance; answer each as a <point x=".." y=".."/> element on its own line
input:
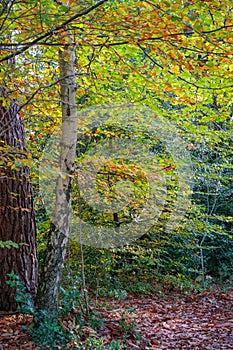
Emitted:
<point x="195" y="321"/>
<point x="12" y="334"/>
<point x="201" y="321"/>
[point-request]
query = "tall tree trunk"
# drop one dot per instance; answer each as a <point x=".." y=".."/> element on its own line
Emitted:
<point x="17" y="220"/>
<point x="48" y="294"/>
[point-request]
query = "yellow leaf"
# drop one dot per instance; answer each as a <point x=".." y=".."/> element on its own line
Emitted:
<point x="175" y="69"/>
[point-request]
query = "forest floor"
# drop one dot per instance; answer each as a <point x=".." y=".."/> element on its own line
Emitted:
<point x="175" y="321"/>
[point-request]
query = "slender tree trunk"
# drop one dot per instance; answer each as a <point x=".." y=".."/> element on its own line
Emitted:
<point x="48" y="294"/>
<point x="17" y="220"/>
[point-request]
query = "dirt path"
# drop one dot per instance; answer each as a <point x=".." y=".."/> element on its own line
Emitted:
<point x="203" y="321"/>
<point x="200" y="321"/>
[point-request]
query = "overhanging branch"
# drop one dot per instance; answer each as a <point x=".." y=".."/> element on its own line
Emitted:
<point x="52" y="31"/>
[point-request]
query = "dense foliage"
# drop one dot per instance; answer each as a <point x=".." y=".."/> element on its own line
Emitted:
<point x="173" y="57"/>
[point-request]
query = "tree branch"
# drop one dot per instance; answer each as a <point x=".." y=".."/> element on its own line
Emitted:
<point x="52" y="31"/>
<point x="182" y="79"/>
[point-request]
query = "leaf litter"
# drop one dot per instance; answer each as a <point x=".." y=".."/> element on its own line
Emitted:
<point x="199" y="321"/>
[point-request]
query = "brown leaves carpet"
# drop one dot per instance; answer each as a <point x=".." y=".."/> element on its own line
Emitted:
<point x="195" y="321"/>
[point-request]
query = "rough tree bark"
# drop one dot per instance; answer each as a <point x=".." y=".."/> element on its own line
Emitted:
<point x="48" y="295"/>
<point x="17" y="219"/>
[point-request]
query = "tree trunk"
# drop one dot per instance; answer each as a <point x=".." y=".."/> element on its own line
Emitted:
<point x="17" y="220"/>
<point x="48" y="294"/>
